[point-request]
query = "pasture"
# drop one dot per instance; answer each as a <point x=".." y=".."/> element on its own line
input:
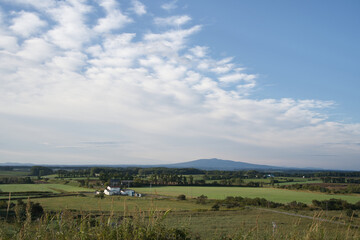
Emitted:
<point x="89" y="202"/>
<point x="13" y="173"/>
<point x="258" y="224"/>
<point x="55" y="188"/>
<point x="204" y="223"/>
<point x="272" y="194"/>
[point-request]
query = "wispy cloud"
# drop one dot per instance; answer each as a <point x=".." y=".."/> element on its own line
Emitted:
<point x="175" y="21"/>
<point x="169" y="5"/>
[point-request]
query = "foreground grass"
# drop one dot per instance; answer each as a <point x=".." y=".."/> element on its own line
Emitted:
<point x="241" y="224"/>
<point x="271" y="194"/>
<point x="117" y="217"/>
<point x="257" y="224"/>
<point x="66" y="225"/>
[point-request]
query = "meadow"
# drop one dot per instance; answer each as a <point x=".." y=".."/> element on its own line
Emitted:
<point x="55" y="188"/>
<point x="88" y="202"/>
<point x="272" y="194"/>
<point x="13" y="173"/>
<point x="200" y="221"/>
<point x="258" y="224"/>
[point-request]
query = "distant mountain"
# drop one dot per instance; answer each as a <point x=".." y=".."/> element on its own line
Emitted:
<point x="219" y="164"/>
<point x="202" y="164"/>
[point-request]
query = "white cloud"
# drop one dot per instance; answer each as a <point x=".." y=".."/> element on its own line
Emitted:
<point x="169" y="6"/>
<point x="36" y="49"/>
<point x="70" y="61"/>
<point x="114" y="18"/>
<point x="27" y="23"/>
<point x="236" y="77"/>
<point x="175" y="21"/>
<point x="8" y="43"/>
<point x="71" y="32"/>
<point x="138" y="7"/>
<point x="164" y="95"/>
<point x="199" y="51"/>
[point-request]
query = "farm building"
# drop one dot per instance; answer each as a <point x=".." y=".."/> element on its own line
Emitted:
<point x="112" y="190"/>
<point x="118" y="191"/>
<point x="128" y="192"/>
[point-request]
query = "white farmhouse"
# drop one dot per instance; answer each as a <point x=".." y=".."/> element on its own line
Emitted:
<point x="128" y="192"/>
<point x="112" y="190"/>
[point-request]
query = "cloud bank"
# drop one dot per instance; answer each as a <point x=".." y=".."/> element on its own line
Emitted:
<point x="74" y="73"/>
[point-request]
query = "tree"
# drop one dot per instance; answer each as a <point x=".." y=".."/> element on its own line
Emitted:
<point x="191" y="178"/>
<point x="40" y="171"/>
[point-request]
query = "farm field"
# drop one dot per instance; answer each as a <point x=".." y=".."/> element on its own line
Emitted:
<point x="199" y="219"/>
<point x="299" y="182"/>
<point x="272" y="194"/>
<point x="257" y="224"/>
<point x="55" y="188"/>
<point x="118" y="204"/>
<point x="13" y="173"/>
<point x="202" y="222"/>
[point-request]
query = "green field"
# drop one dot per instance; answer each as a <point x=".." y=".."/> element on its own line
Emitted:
<point x="13" y="173"/>
<point x="299" y="182"/>
<point x="55" y="188"/>
<point x="117" y="203"/>
<point x="272" y="194"/>
<point x="257" y="224"/>
<point x="202" y="222"/>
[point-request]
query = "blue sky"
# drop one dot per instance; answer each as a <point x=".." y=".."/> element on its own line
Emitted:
<point x="119" y="82"/>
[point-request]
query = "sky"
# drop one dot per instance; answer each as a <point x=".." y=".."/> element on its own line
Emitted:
<point x="152" y="82"/>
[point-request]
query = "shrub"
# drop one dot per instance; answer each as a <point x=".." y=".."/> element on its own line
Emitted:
<point x="181" y="197"/>
<point x="100" y="195"/>
<point x="215" y="207"/>
<point x="201" y="199"/>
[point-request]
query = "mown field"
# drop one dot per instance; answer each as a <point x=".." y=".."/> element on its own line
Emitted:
<point x="272" y="194"/>
<point x="55" y="188"/>
<point x="89" y="202"/>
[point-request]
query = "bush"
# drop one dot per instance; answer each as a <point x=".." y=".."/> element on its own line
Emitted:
<point x="29" y="210"/>
<point x="100" y="195"/>
<point x="201" y="199"/>
<point x="215" y="207"/>
<point x="181" y="197"/>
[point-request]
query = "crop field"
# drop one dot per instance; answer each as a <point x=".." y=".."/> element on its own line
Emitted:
<point x="55" y="188"/>
<point x="272" y="194"/>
